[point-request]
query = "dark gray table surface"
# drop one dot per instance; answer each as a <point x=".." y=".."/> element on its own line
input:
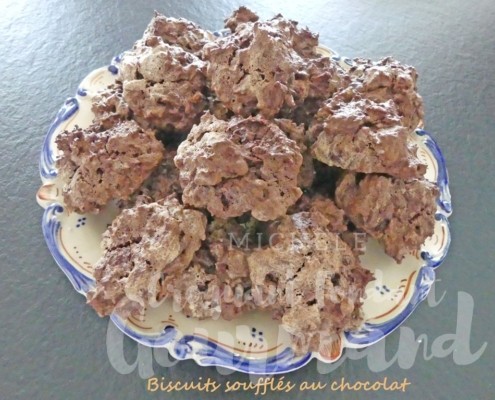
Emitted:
<point x="53" y="346"/>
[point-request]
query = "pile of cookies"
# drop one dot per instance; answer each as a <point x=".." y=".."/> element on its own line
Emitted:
<point x="246" y="167"/>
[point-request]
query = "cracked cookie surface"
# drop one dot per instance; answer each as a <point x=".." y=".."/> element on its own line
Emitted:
<point x="143" y="246"/>
<point x="239" y="166"/>
<point x="103" y="165"/>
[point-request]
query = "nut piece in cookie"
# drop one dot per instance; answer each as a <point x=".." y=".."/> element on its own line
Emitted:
<point x="143" y="246"/>
<point x="388" y="79"/>
<point x="100" y="166"/>
<point x="400" y="215"/>
<point x="298" y="134"/>
<point x="365" y="136"/>
<point x="310" y="278"/>
<point x="238" y="166"/>
<point x="163" y="85"/>
<point x="109" y="107"/>
<point x="179" y="32"/>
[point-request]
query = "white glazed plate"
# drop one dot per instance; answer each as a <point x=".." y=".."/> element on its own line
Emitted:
<point x="252" y="343"/>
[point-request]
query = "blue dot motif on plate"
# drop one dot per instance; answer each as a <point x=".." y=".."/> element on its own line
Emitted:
<point x="255" y="333"/>
<point x="81" y="222"/>
<point x="382" y="289"/>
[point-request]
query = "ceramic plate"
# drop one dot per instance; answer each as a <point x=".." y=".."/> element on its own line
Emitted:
<point x="253" y="343"/>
